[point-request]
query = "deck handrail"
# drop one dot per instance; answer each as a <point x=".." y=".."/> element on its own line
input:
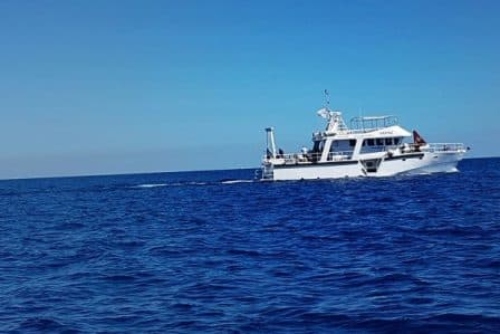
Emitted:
<point x="310" y="157"/>
<point x="443" y="147"/>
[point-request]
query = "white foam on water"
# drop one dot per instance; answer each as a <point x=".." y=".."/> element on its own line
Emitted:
<point x="151" y="185"/>
<point x="236" y="181"/>
<point x="195" y="183"/>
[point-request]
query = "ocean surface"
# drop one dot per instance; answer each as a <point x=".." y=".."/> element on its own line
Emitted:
<point x="216" y="252"/>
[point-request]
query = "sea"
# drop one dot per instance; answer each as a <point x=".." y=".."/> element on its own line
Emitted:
<point x="220" y="252"/>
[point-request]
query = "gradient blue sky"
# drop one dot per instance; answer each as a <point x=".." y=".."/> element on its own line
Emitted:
<point x="98" y="87"/>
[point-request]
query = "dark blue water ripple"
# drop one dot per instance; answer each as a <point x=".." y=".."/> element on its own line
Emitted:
<point x="202" y="252"/>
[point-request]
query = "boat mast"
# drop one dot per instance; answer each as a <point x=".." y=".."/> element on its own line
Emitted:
<point x="271" y="145"/>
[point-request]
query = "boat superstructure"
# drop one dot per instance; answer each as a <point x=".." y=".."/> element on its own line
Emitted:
<point x="370" y="146"/>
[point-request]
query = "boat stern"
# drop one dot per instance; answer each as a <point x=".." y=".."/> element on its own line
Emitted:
<point x="266" y="171"/>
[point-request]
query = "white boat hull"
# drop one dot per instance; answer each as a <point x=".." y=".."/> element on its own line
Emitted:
<point x="429" y="162"/>
<point x="417" y="163"/>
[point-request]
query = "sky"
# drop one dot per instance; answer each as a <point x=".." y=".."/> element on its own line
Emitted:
<point x="121" y="86"/>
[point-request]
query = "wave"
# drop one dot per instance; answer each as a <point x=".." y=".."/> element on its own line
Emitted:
<point x="212" y="252"/>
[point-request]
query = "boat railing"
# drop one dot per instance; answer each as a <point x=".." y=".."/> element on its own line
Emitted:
<point x="362" y="124"/>
<point x="340" y="156"/>
<point x="290" y="158"/>
<point x="445" y="147"/>
<point x="300" y="157"/>
<point x="309" y="157"/>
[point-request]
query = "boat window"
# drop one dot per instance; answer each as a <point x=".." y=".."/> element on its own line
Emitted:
<point x="380" y="142"/>
<point x="388" y="141"/>
<point x="397" y="141"/>
<point x="352" y="142"/>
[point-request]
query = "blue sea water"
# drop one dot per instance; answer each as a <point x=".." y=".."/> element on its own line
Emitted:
<point x="215" y="252"/>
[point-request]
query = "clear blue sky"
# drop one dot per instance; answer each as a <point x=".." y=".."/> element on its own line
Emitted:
<point x="95" y="87"/>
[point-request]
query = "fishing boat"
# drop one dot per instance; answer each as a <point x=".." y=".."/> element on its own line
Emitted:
<point x="373" y="146"/>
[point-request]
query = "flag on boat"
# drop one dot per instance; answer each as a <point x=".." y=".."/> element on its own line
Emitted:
<point x="417" y="139"/>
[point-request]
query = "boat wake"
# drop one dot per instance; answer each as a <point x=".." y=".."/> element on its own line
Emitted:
<point x="188" y="183"/>
<point x="236" y="181"/>
<point x="174" y="184"/>
<point x="151" y="185"/>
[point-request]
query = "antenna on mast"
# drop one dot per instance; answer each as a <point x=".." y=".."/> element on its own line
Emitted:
<point x="327" y="100"/>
